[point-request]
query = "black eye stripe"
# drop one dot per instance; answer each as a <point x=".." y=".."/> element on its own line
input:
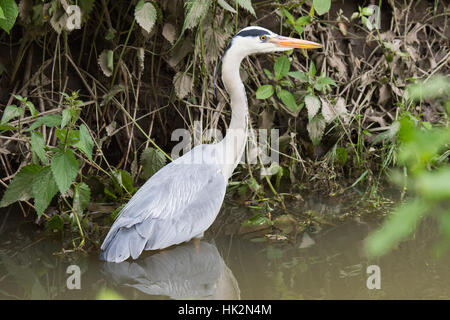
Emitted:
<point x="252" y="33"/>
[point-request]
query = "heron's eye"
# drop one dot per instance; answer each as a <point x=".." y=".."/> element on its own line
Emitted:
<point x="262" y="38"/>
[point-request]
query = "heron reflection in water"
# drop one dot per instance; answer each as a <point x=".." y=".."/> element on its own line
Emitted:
<point x="191" y="270"/>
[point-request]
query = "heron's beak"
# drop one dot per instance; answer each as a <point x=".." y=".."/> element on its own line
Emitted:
<point x="292" y="43"/>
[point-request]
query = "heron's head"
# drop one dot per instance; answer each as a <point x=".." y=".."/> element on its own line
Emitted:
<point x="252" y="40"/>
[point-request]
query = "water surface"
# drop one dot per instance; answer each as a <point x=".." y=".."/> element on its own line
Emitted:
<point x="329" y="264"/>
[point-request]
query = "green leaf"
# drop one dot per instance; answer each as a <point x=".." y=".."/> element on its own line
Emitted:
<point x="303" y="77"/>
<point x="265" y="91"/>
<point x="152" y="160"/>
<point x="400" y="224"/>
<point x="145" y="14"/>
<point x="366" y="22"/>
<point x="303" y="21"/>
<point x="106" y="62"/>
<point x="324" y="82"/>
<point x="51" y="120"/>
<point x="38" y="146"/>
<point x="226" y="6"/>
<point x="288" y="15"/>
<point x="125" y="180"/>
<point x="86" y="144"/>
<point x="111" y="34"/>
<point x="20" y="187"/>
<point x="65" y="168"/>
<point x="316" y="128"/>
<point x="247" y="5"/>
<point x="30" y="106"/>
<point x="258" y="219"/>
<point x="2" y="14"/>
<point x="66" y="116"/>
<point x="281" y="67"/>
<point x="434" y="185"/>
<point x="288" y="99"/>
<point x="55" y="224"/>
<point x="10" y="12"/>
<point x="5" y="127"/>
<point x="322" y="6"/>
<point x="341" y="155"/>
<point x="72" y="139"/>
<point x="44" y="189"/>
<point x="435" y="87"/>
<point x="367" y="11"/>
<point x="268" y="74"/>
<point x="312" y="69"/>
<point x="11" y="112"/>
<point x="195" y="12"/>
<point x="81" y="197"/>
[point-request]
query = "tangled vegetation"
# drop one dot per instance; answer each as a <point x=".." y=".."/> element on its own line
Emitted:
<point x="89" y="110"/>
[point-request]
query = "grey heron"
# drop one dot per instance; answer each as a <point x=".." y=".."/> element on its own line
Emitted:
<point x="181" y="201"/>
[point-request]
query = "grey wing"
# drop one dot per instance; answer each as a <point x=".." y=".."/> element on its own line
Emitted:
<point x="175" y="205"/>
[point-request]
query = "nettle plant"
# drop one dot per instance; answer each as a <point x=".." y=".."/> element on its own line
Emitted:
<point x="52" y="169"/>
<point x="364" y="15"/>
<point x="314" y="87"/>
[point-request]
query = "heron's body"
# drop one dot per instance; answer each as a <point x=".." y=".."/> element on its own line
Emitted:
<point x="182" y="200"/>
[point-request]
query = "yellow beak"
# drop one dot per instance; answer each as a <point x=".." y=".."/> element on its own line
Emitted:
<point x="294" y="43"/>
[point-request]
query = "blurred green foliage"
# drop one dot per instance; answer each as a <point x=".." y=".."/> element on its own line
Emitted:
<point x="423" y="156"/>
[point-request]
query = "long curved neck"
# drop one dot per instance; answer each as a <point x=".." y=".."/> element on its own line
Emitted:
<point x="236" y="137"/>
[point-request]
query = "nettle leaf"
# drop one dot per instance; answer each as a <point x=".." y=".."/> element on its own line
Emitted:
<point x="38" y="146"/>
<point x="44" y="188"/>
<point x="66" y="117"/>
<point x="107" y="97"/>
<point x="316" y="128"/>
<point x="195" y="12"/>
<point x="11" y="112"/>
<point x="20" y="187"/>
<point x="152" y="160"/>
<point x="367" y="11"/>
<point x="324" y="82"/>
<point x="183" y="84"/>
<point x="51" y="120"/>
<point x="312" y="105"/>
<point x="265" y="91"/>
<point x="303" y="77"/>
<point x="73" y="138"/>
<point x="81" y="197"/>
<point x="145" y="14"/>
<point x="281" y="67"/>
<point x="247" y="5"/>
<point x="288" y="99"/>
<point x="125" y="180"/>
<point x="312" y="69"/>
<point x="10" y="12"/>
<point x="106" y="62"/>
<point x="226" y="6"/>
<point x="85" y="144"/>
<point x="331" y="112"/>
<point x="65" y="168"/>
<point x="30" y="106"/>
<point x="322" y="6"/>
<point x="366" y="22"/>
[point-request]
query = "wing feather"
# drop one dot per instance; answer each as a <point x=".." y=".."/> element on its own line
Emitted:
<point x="175" y="205"/>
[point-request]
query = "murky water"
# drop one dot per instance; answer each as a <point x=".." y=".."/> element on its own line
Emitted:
<point x="326" y="265"/>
